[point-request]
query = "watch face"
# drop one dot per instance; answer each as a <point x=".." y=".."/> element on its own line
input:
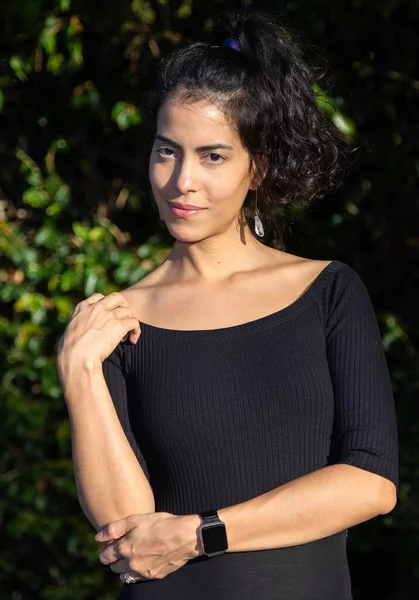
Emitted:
<point x="214" y="538"/>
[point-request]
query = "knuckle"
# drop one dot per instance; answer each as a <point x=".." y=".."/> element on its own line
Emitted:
<point x="134" y="520"/>
<point x="121" y="550"/>
<point x="95" y="306"/>
<point x="133" y="553"/>
<point x="115" y="534"/>
<point x="88" y="300"/>
<point x="117" y="296"/>
<point x="92" y="299"/>
<point x="111" y="530"/>
<point x="152" y="574"/>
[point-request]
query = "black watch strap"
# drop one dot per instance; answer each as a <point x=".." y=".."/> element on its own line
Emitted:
<point x="210" y="516"/>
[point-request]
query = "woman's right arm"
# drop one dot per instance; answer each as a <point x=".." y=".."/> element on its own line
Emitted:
<point x="110" y="482"/>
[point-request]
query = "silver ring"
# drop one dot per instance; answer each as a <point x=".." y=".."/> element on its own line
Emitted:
<point x="129" y="579"/>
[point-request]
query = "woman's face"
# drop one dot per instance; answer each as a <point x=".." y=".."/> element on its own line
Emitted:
<point x="198" y="160"/>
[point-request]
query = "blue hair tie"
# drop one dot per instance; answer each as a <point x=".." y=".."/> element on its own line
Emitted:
<point x="232" y="43"/>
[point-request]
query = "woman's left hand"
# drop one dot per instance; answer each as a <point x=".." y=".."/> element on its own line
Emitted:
<point x="150" y="546"/>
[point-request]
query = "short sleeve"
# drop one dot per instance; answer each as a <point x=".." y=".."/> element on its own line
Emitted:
<point x="113" y="368"/>
<point x="365" y="429"/>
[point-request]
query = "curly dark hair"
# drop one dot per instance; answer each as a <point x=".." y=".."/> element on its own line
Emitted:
<point x="266" y="91"/>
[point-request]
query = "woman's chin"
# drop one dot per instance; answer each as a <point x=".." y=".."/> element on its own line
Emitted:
<point x="187" y="235"/>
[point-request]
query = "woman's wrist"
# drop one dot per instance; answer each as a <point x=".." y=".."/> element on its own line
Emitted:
<point x="192" y="536"/>
<point x="76" y="375"/>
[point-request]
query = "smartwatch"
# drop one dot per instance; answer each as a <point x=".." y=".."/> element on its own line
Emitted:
<point x="213" y="534"/>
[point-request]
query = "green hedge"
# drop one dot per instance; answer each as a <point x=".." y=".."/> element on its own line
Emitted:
<point x="76" y="216"/>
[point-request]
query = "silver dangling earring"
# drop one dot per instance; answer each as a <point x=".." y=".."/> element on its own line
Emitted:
<point x="258" y="223"/>
<point x="161" y="218"/>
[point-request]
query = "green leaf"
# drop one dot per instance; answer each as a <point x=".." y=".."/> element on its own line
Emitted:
<point x="46" y="236"/>
<point x="85" y="94"/>
<point x="394" y="331"/>
<point x="125" y="115"/>
<point x="20" y="67"/>
<point x="35" y="197"/>
<point x="185" y="9"/>
<point x="48" y="36"/>
<point x="55" y="64"/>
<point x="143" y="10"/>
<point x="68" y="281"/>
<point x="62" y="196"/>
<point x="97" y="233"/>
<point x="35" y="303"/>
<point x="64" y="306"/>
<point x="34" y="179"/>
<point x="75" y="48"/>
<point x="29" y="167"/>
<point x="144" y="251"/>
<point x="7" y="292"/>
<point x="344" y="124"/>
<point x="81" y="231"/>
<point x="90" y="284"/>
<point x="64" y="5"/>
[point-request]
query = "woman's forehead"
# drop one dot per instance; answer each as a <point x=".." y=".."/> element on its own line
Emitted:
<point x="195" y="121"/>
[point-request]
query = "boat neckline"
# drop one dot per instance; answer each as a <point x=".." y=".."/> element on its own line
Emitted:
<point x="265" y="321"/>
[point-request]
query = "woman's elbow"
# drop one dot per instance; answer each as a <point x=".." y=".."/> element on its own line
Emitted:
<point x="387" y="496"/>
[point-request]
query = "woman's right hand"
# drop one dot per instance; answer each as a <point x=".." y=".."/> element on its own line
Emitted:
<point x="96" y="326"/>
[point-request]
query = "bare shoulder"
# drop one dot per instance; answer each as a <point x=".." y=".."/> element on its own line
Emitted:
<point x="289" y="278"/>
<point x="141" y="293"/>
<point x="298" y="268"/>
<point x="311" y="267"/>
<point x="311" y="271"/>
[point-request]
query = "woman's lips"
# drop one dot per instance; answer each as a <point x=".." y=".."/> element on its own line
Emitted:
<point x="182" y="212"/>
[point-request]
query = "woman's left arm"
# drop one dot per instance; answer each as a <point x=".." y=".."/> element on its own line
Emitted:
<point x="362" y="477"/>
<point x="311" y="507"/>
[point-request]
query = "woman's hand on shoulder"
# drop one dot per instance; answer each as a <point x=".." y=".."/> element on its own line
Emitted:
<point x="96" y="326"/>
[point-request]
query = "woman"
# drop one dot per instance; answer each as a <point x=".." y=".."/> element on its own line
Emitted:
<point x="223" y="450"/>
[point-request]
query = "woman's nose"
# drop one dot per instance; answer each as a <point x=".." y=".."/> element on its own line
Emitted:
<point x="185" y="176"/>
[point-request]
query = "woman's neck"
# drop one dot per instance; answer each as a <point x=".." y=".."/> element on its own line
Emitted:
<point x="217" y="258"/>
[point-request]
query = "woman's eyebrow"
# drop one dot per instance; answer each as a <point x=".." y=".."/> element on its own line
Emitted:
<point x="210" y="147"/>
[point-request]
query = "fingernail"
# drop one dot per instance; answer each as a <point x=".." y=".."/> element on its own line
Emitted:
<point x="99" y="536"/>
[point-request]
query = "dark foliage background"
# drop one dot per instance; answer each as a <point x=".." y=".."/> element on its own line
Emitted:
<point x="76" y="216"/>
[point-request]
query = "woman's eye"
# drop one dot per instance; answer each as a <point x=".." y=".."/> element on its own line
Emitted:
<point x="215" y="162"/>
<point x="160" y="151"/>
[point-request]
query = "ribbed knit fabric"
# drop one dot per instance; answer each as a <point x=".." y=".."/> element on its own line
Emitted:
<point x="219" y="416"/>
